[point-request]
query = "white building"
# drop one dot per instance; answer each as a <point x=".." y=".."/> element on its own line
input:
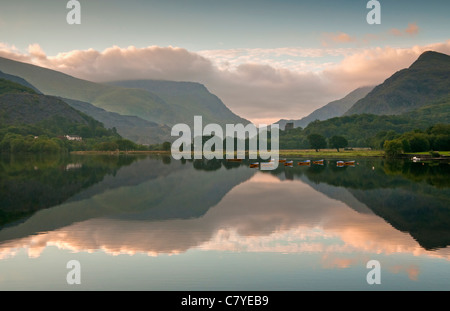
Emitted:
<point x="76" y="138"/>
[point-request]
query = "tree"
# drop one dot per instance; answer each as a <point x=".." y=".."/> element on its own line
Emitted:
<point x="393" y="148"/>
<point x="125" y="144"/>
<point x="166" y="146"/>
<point x="338" y="142"/>
<point x="317" y="141"/>
<point x="419" y="142"/>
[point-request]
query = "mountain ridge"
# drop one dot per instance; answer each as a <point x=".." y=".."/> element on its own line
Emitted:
<point x="333" y="109"/>
<point x="139" y="102"/>
<point x="424" y="82"/>
<point x="25" y="113"/>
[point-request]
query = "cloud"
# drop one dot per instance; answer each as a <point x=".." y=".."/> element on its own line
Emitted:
<point x="339" y="37"/>
<point x="255" y="87"/>
<point x="411" y="30"/>
<point x="36" y="51"/>
<point x="373" y="66"/>
<point x="263" y="85"/>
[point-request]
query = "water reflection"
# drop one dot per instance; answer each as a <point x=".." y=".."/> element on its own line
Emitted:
<point x="32" y="183"/>
<point x="153" y="206"/>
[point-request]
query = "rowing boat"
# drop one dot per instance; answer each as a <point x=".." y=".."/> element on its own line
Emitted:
<point x="305" y="163"/>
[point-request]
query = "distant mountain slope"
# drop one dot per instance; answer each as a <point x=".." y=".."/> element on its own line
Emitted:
<point x="426" y="81"/>
<point x="334" y="109"/>
<point x="114" y="99"/>
<point x="130" y="127"/>
<point x="18" y="80"/>
<point x="28" y="108"/>
<point x="188" y="99"/>
<point x="22" y="106"/>
<point x="140" y="102"/>
<point x="10" y="87"/>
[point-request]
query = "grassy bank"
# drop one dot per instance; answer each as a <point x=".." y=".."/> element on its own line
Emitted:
<point x="332" y="153"/>
<point x="325" y="153"/>
<point x="442" y="153"/>
<point x="93" y="152"/>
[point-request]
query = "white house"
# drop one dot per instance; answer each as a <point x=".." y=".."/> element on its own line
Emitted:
<point x="76" y="138"/>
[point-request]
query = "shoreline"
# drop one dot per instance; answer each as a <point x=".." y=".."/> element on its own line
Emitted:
<point x="356" y="153"/>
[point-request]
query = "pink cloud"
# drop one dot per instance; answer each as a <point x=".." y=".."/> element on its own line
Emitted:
<point x="411" y="30"/>
<point x="257" y="87"/>
<point x="340" y="37"/>
<point x="373" y="66"/>
<point x="329" y="39"/>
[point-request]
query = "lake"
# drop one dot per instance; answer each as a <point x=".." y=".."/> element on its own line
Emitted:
<point x="153" y="223"/>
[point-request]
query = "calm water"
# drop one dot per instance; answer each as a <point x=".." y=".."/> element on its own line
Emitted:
<point x="149" y="223"/>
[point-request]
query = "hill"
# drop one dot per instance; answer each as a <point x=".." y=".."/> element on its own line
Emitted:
<point x="188" y="99"/>
<point x="20" y="105"/>
<point x="130" y="127"/>
<point x="18" y="80"/>
<point x="333" y="109"/>
<point x="426" y="81"/>
<point x="26" y="115"/>
<point x="142" y="102"/>
<point x="369" y="130"/>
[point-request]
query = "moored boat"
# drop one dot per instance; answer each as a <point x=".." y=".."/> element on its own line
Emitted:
<point x="304" y="163"/>
<point x="234" y="160"/>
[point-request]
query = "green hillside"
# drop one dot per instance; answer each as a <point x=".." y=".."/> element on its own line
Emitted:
<point x="188" y="99"/>
<point x="32" y="122"/>
<point x="164" y="103"/>
<point x="369" y="130"/>
<point x="426" y="81"/>
<point x="130" y="127"/>
<point x="18" y="80"/>
<point x="412" y="100"/>
<point x="9" y="87"/>
<point x="334" y="109"/>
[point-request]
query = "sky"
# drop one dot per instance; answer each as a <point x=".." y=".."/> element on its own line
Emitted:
<point x="267" y="60"/>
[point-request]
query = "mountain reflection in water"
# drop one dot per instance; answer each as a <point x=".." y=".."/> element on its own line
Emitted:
<point x="154" y="205"/>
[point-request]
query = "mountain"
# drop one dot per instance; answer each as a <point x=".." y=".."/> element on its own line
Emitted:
<point x="21" y="106"/>
<point x="18" y="80"/>
<point x="426" y="81"/>
<point x="334" y="109"/>
<point x="130" y="127"/>
<point x="188" y="99"/>
<point x="142" y="102"/>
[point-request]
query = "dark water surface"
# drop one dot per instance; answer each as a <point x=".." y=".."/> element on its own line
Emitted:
<point x="153" y="223"/>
